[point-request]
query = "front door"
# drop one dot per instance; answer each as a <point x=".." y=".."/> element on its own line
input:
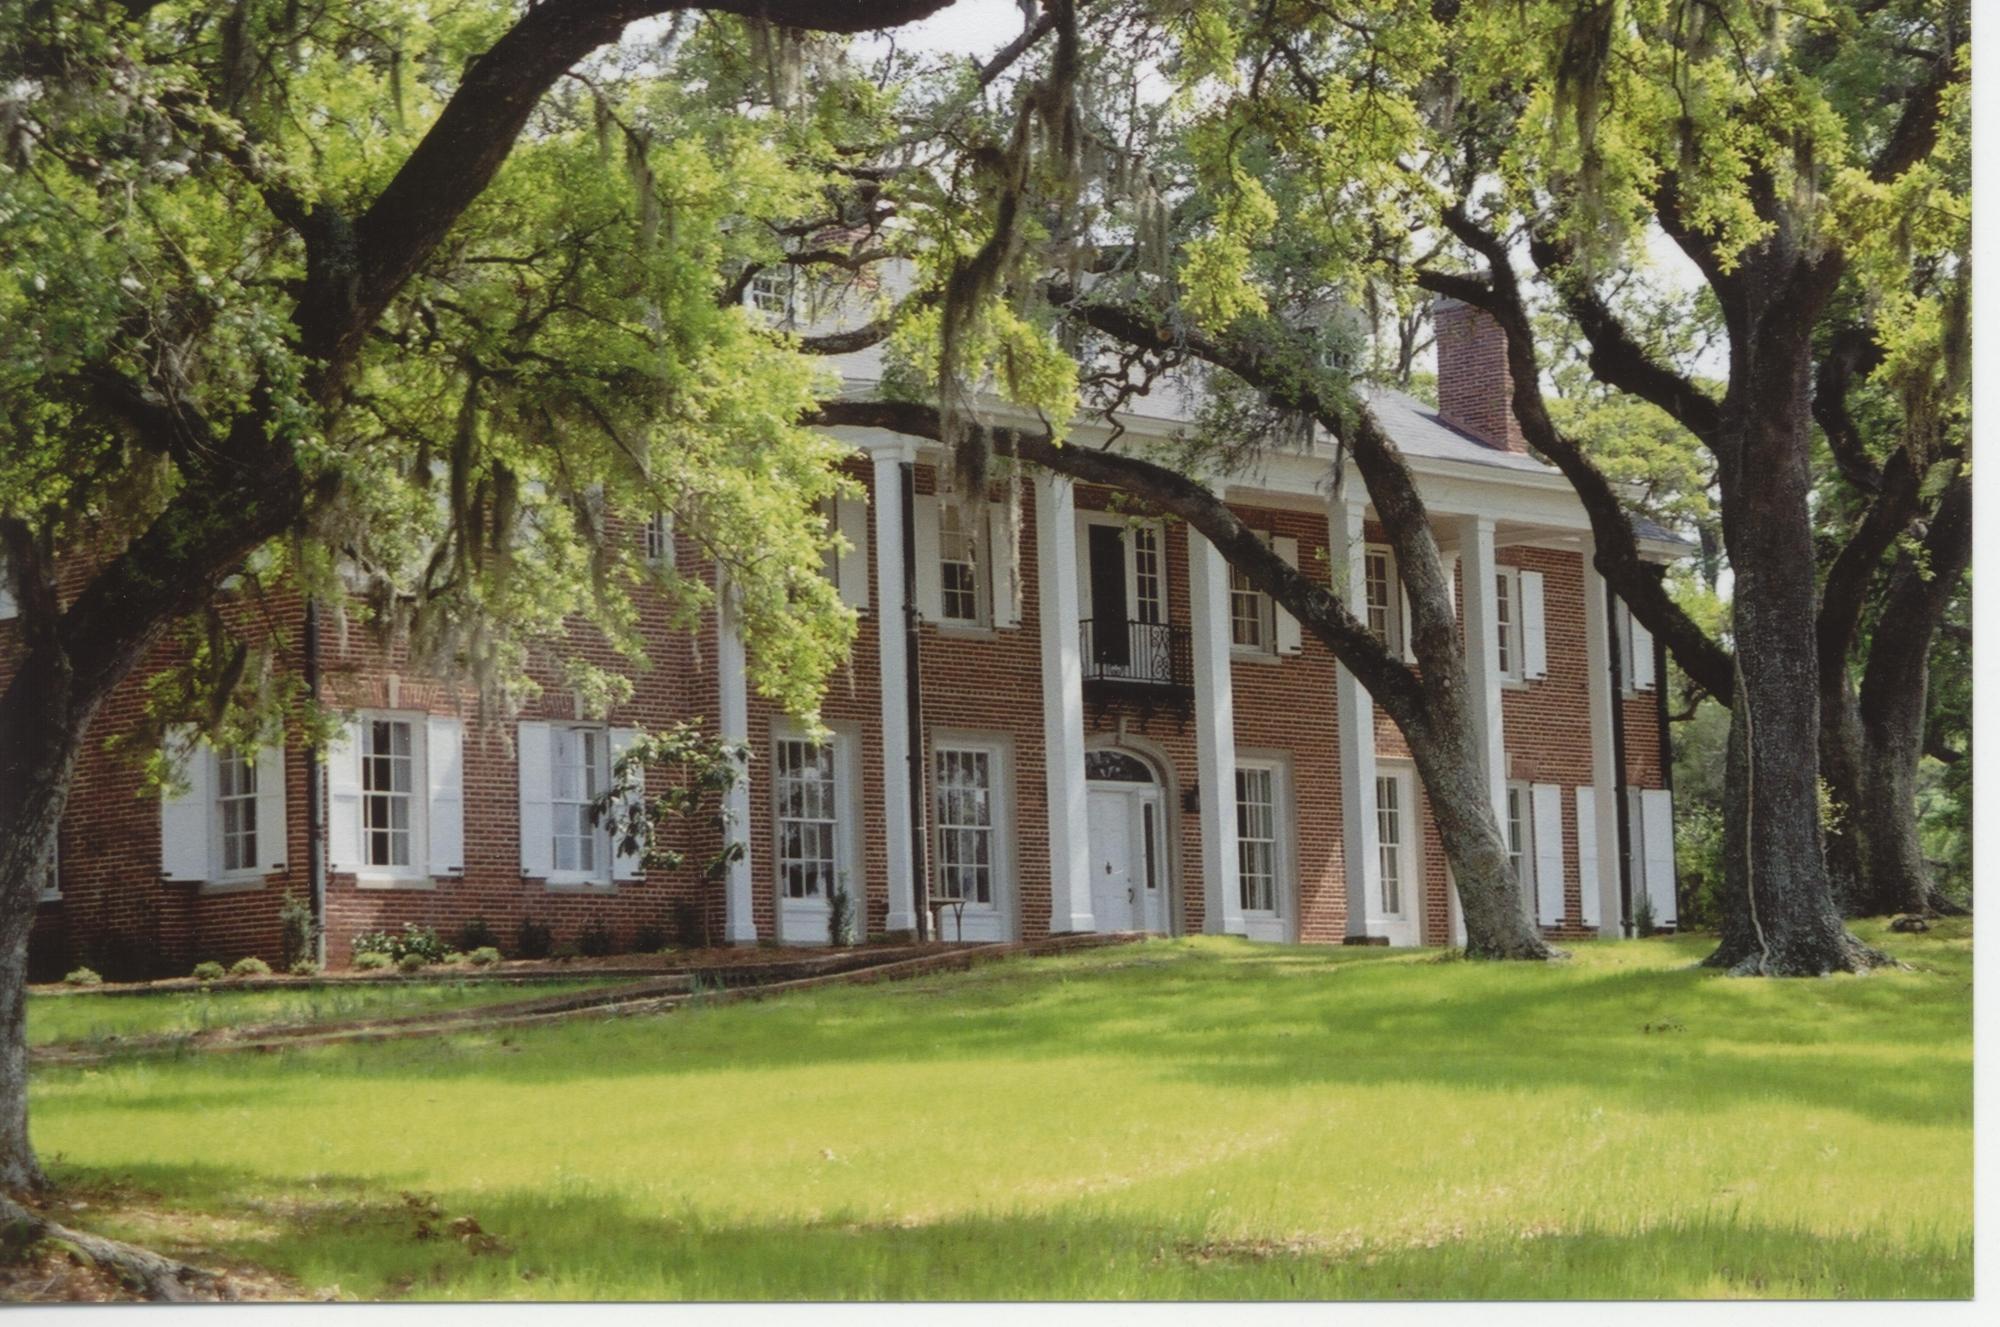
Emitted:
<point x="1113" y="883"/>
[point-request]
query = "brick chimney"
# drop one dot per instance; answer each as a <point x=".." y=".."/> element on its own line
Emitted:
<point x="1475" y="390"/>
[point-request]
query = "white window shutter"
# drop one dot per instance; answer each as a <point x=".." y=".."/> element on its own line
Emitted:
<point x="1291" y="639"/>
<point x="273" y="840"/>
<point x="924" y="529"/>
<point x="184" y="820"/>
<point x="1403" y="598"/>
<point x="851" y="519"/>
<point x="1641" y="655"/>
<point x="343" y="799"/>
<point x="1546" y="799"/>
<point x="444" y="760"/>
<point x="538" y="830"/>
<point x="1586" y="856"/>
<point x="1534" y="627"/>
<point x="1001" y="566"/>
<point x="628" y="865"/>
<point x="1656" y="808"/>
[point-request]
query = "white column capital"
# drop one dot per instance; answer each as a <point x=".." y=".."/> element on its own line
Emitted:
<point x="1215" y="736"/>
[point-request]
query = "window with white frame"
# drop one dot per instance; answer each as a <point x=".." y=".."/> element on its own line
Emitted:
<point x="1521" y="844"/>
<point x="8" y="607"/>
<point x="960" y="561"/>
<point x="807" y="819"/>
<point x="1382" y="593"/>
<point x="1507" y="599"/>
<point x="1149" y="576"/>
<point x="579" y="772"/>
<point x="770" y="293"/>
<point x="966" y="798"/>
<point x="1257" y="837"/>
<point x="660" y="539"/>
<point x="388" y="793"/>
<point x="1390" y="835"/>
<point x="1250" y="617"/>
<point x="236" y="811"/>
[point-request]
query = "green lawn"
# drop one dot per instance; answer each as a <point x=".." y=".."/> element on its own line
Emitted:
<point x="1179" y="1119"/>
<point x="92" y="1017"/>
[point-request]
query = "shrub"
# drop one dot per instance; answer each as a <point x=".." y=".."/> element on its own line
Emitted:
<point x="690" y="924"/>
<point x="1642" y="913"/>
<point x="455" y="959"/>
<point x="209" y="971"/>
<point x="533" y="940"/>
<point x="840" y="916"/>
<point x="250" y="967"/>
<point x="422" y="941"/>
<point x="596" y="941"/>
<point x="411" y="962"/>
<point x="484" y="957"/>
<point x="82" y="977"/>
<point x="565" y="951"/>
<point x="371" y="960"/>
<point x="649" y="939"/>
<point x="298" y="933"/>
<point x="475" y="934"/>
<point x="374" y="942"/>
<point x="305" y="967"/>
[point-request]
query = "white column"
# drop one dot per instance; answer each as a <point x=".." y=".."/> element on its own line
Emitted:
<point x="1482" y="649"/>
<point x="1359" y="831"/>
<point x="1062" y="704"/>
<point x="739" y="926"/>
<point x="1603" y="751"/>
<point x="891" y="624"/>
<point x="1215" y="736"/>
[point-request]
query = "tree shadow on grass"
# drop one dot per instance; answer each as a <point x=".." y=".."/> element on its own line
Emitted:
<point x="374" y="1242"/>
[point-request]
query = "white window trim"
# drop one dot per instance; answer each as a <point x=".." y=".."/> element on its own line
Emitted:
<point x="600" y="877"/>
<point x="417" y="874"/>
<point x="1267" y="618"/>
<point x="250" y="876"/>
<point x="8" y="607"/>
<point x="659" y="529"/>
<point x="999" y="755"/>
<point x="982" y="568"/>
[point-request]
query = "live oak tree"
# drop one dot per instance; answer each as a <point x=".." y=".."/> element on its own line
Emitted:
<point x="411" y="310"/>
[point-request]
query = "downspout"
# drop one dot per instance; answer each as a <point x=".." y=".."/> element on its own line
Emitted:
<point x="1667" y="765"/>
<point x="315" y="798"/>
<point x="1618" y="785"/>
<point x="914" y="698"/>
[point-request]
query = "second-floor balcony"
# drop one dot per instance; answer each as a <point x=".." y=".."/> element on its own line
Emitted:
<point x="1150" y="662"/>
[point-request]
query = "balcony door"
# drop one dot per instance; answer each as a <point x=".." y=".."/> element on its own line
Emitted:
<point x="1123" y="587"/>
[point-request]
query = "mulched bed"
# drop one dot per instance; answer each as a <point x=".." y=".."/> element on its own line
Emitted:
<point x="721" y="960"/>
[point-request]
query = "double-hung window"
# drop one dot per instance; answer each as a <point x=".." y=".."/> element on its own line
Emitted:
<point x="961" y="579"/>
<point x="1507" y="601"/>
<point x="965" y="817"/>
<point x="1149" y="575"/>
<point x="388" y="794"/>
<point x="1383" y="595"/>
<point x="660" y="539"/>
<point x="1250" y="626"/>
<point x="579" y="772"/>
<point x="1521" y="845"/>
<point x="236" y="811"/>
<point x="1391" y="829"/>
<point x="1257" y="837"/>
<point x="807" y="819"/>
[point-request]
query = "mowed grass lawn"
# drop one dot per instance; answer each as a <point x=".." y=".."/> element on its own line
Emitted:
<point x="1194" y="1118"/>
<point x="95" y="1017"/>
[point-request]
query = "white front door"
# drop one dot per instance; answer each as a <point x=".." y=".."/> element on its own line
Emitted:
<point x="1113" y="884"/>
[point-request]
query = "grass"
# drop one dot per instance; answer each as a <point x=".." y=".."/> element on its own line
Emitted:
<point x="97" y="1018"/>
<point x="1195" y="1118"/>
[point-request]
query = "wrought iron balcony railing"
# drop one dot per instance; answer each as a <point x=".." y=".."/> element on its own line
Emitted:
<point x="1124" y="654"/>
